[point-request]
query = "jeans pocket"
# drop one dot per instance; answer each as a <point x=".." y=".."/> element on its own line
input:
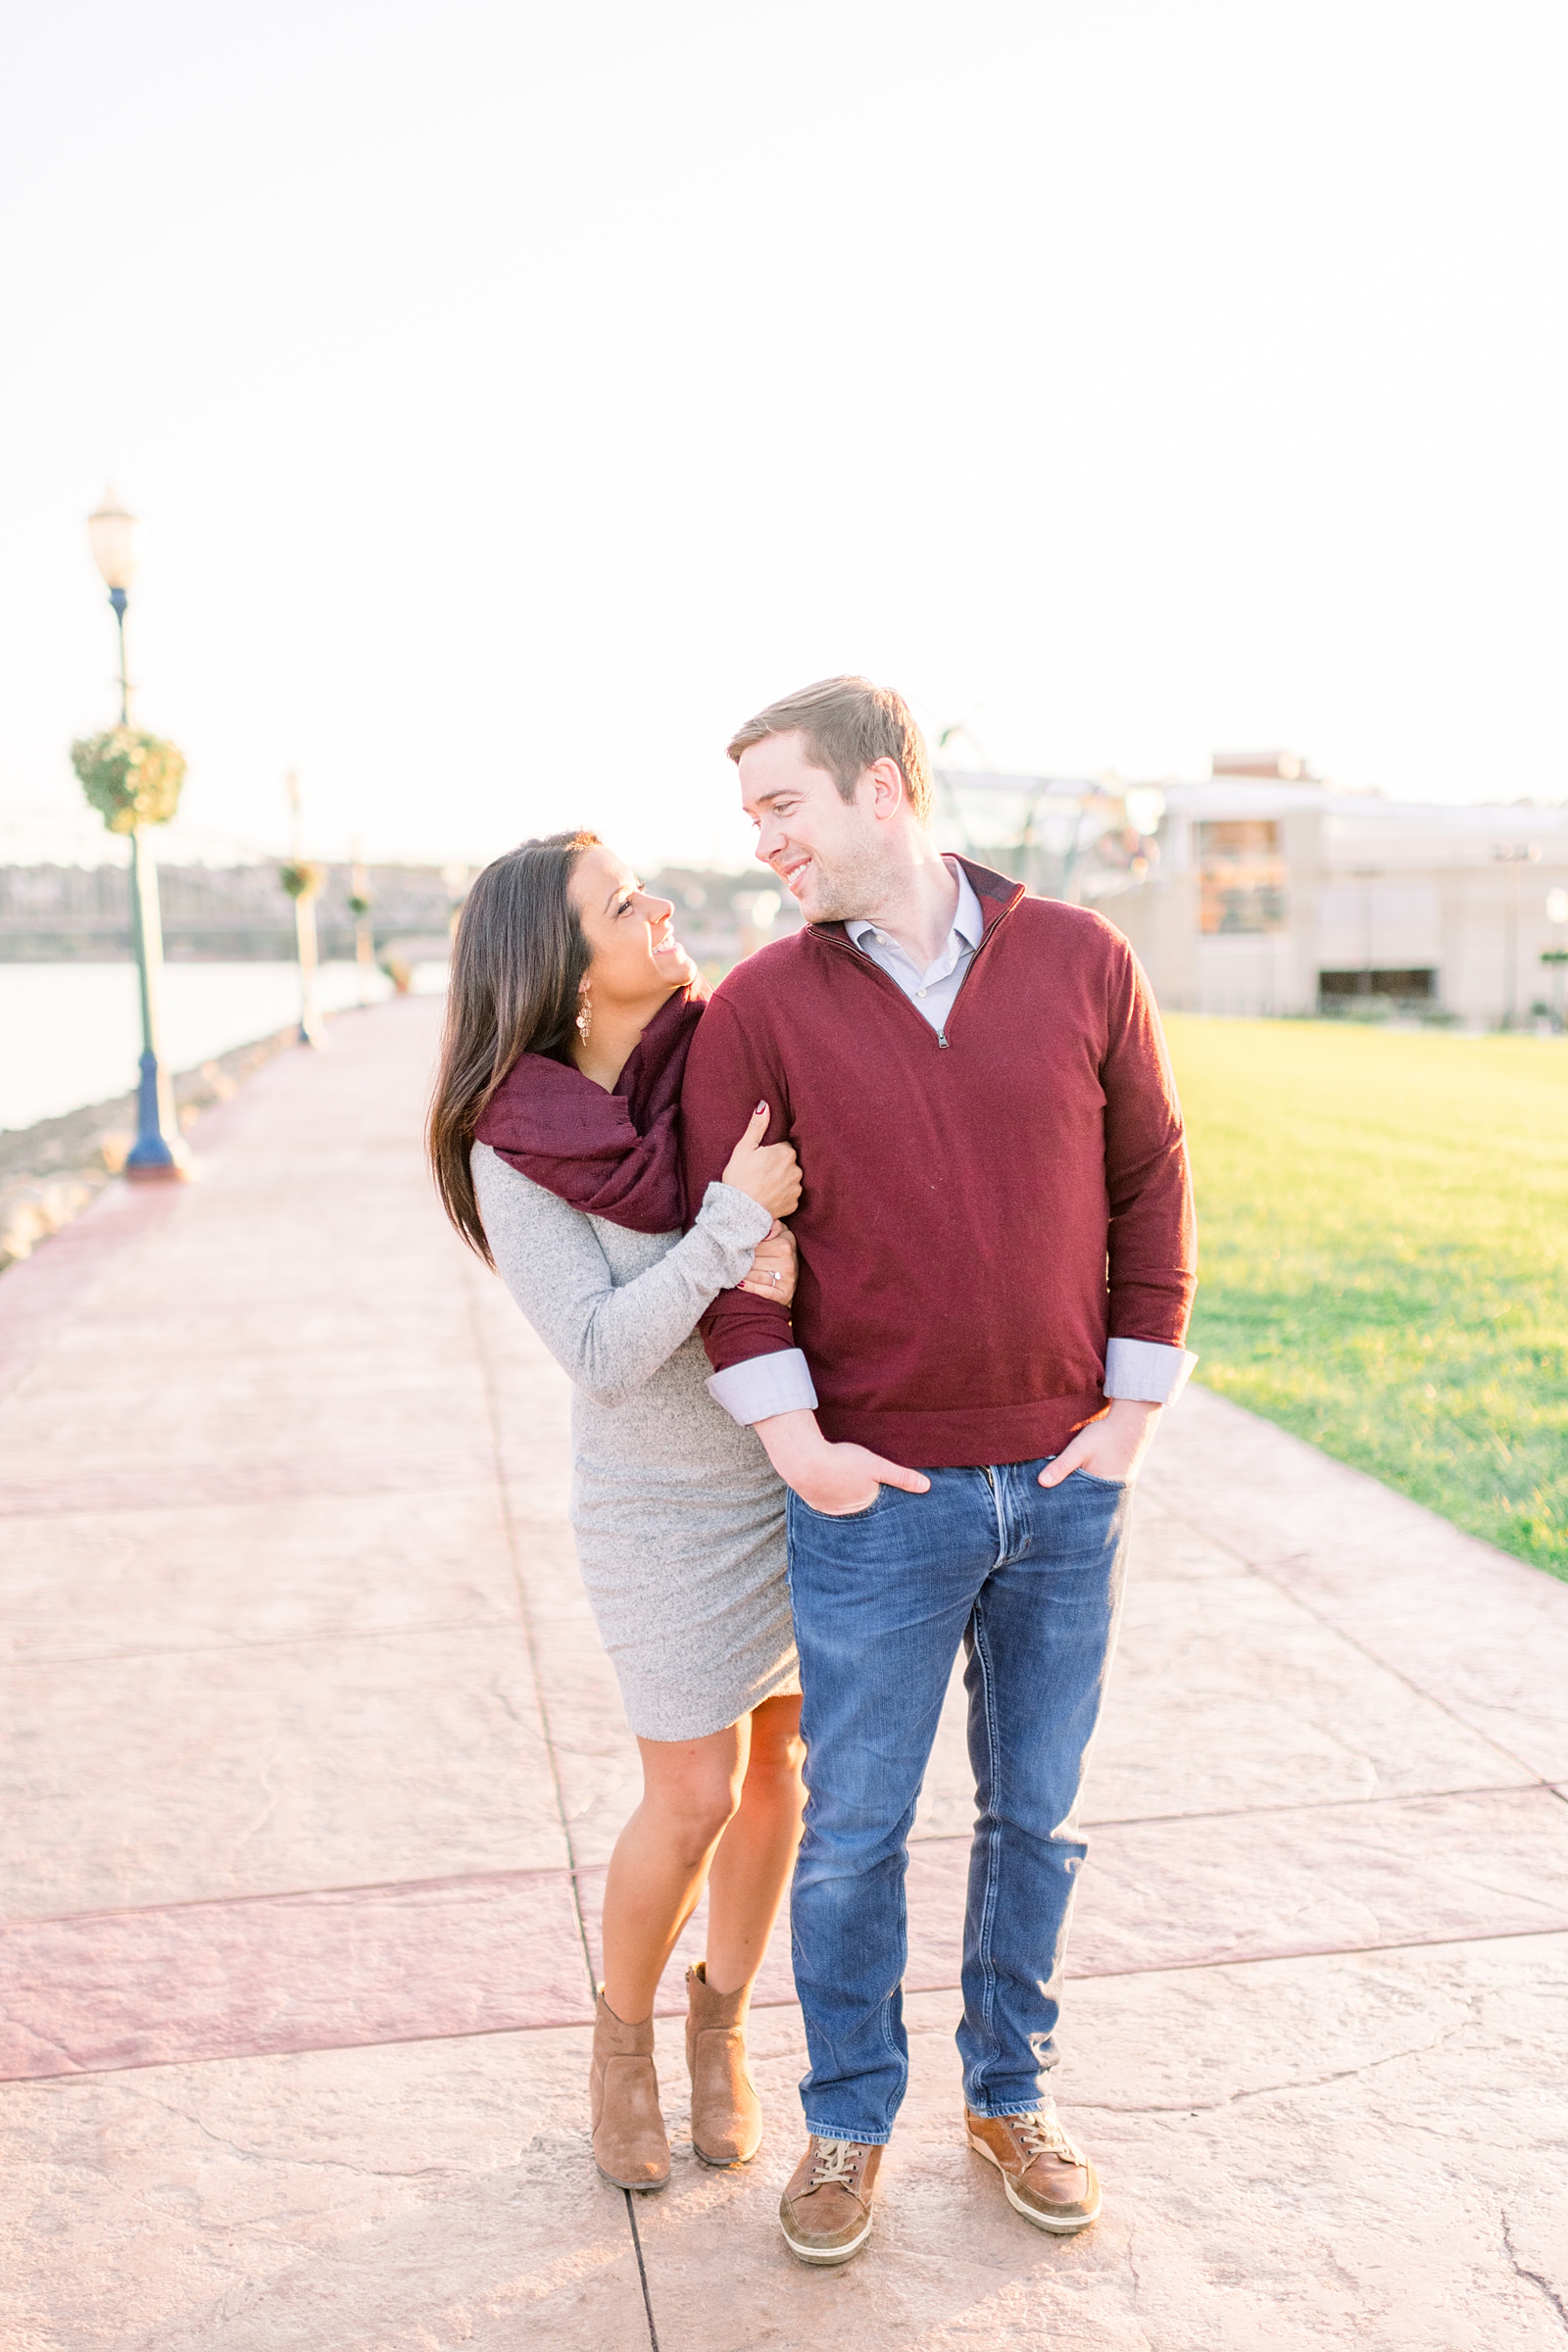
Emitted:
<point x="1113" y="1486"/>
<point x="798" y="1503"/>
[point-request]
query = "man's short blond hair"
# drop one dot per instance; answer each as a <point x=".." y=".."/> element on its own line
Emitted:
<point x="848" y="723"/>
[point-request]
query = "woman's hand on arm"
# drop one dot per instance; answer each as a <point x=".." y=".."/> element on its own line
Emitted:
<point x="774" y="1263"/>
<point x="768" y="1173"/>
<point x="609" y="1338"/>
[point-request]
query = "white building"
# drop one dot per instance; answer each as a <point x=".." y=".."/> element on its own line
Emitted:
<point x="1265" y="890"/>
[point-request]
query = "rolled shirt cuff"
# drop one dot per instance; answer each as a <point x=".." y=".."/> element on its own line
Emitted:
<point x="764" y="1385"/>
<point x="1145" y="1370"/>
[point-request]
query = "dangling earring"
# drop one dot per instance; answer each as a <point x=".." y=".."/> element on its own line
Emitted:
<point x="585" y="1014"/>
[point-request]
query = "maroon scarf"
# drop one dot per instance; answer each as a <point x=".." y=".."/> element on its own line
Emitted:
<point x="614" y="1155"/>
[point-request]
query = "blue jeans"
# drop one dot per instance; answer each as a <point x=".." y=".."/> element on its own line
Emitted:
<point x="1029" y="1578"/>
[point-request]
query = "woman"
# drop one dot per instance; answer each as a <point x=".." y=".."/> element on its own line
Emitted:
<point x="554" y="1141"/>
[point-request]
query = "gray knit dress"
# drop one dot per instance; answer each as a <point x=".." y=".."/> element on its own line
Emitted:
<point x="678" y="1516"/>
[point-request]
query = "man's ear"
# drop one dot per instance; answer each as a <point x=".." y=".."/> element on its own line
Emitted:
<point x="886" y="779"/>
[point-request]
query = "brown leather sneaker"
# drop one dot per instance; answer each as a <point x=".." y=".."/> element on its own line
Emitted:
<point x="630" y="2146"/>
<point x="826" y="2210"/>
<point x="726" y="2112"/>
<point x="1048" y="2179"/>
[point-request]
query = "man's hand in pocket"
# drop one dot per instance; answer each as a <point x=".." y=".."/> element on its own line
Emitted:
<point x="1112" y="1447"/>
<point x="838" y="1480"/>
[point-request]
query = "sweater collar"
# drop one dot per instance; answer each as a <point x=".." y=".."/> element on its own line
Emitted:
<point x="968" y="924"/>
<point x="998" y="895"/>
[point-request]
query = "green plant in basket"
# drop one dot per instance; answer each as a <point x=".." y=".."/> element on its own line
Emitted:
<point x="302" y="878"/>
<point x="129" y="777"/>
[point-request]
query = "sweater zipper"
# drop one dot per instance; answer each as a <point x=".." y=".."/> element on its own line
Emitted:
<point x="941" y="1032"/>
<point x="846" y="947"/>
<point x="883" y="980"/>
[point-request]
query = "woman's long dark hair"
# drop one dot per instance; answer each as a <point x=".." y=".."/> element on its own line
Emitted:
<point x="517" y="962"/>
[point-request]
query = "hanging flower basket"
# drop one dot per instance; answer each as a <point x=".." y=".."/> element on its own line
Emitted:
<point x="130" y="779"/>
<point x="302" y="878"/>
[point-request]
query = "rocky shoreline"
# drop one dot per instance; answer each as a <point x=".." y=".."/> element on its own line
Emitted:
<point x="51" y="1171"/>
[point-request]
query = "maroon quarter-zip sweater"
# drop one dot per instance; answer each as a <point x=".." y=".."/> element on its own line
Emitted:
<point x="981" y="1209"/>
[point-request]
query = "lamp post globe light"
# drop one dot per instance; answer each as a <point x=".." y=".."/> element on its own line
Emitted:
<point x="133" y="780"/>
<point x="112" y="536"/>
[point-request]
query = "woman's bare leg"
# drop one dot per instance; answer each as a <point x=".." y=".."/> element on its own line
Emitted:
<point x="754" y="1858"/>
<point x="725" y="1809"/>
<point x="692" y="1789"/>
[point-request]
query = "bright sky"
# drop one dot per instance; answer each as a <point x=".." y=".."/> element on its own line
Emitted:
<point x="517" y="395"/>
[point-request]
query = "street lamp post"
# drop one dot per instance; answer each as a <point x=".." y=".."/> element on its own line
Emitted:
<point x="1513" y="854"/>
<point x="159" y="1154"/>
<point x="1557" y="955"/>
<point x="361" y="901"/>
<point x="1367" y="875"/>
<point x="304" y="881"/>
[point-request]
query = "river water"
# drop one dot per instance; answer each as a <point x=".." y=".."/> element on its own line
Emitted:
<point x="69" y="1032"/>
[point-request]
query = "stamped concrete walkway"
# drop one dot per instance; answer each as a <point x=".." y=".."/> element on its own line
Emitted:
<point x="311" y="1766"/>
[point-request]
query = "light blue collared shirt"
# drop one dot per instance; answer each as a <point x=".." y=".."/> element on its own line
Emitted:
<point x="932" y="991"/>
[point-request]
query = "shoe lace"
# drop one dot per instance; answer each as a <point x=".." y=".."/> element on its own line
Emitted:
<point x="835" y="2164"/>
<point x="1043" y="2136"/>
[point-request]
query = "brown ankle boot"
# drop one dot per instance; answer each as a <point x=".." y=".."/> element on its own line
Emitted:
<point x="630" y="2146"/>
<point x="727" y="2115"/>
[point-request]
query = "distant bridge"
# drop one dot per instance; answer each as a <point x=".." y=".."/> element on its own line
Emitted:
<point x="214" y="913"/>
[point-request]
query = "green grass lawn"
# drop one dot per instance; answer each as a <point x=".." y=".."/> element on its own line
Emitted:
<point x="1384" y="1235"/>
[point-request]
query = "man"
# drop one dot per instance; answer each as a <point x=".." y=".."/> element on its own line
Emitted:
<point x="997" y="1255"/>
